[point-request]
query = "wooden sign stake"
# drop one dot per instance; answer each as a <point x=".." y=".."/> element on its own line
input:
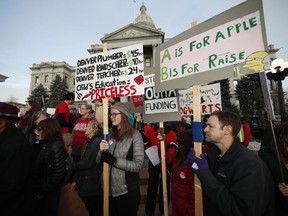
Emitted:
<point x="198" y="150"/>
<point x="164" y="171"/>
<point x="105" y="165"/>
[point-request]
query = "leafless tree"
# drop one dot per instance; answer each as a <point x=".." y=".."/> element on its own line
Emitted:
<point x="12" y="99"/>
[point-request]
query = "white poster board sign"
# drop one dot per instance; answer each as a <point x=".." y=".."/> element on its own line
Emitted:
<point x="161" y="106"/>
<point x="115" y="73"/>
<point x="225" y="46"/>
<point x="210" y="99"/>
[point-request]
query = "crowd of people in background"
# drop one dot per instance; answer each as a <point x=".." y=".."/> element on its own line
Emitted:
<point x="234" y="180"/>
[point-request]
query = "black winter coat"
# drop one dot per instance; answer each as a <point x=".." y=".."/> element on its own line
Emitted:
<point x="271" y="160"/>
<point x="238" y="184"/>
<point x="50" y="167"/>
<point x="87" y="171"/>
<point x="16" y="162"/>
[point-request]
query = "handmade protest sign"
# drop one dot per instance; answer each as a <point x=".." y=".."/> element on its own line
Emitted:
<point x="115" y="73"/>
<point x="210" y="99"/>
<point x="162" y="106"/>
<point x="230" y="43"/>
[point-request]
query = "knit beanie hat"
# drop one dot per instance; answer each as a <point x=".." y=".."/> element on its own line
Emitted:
<point x="123" y="107"/>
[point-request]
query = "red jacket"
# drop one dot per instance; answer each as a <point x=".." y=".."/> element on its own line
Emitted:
<point x="64" y="109"/>
<point x="182" y="187"/>
<point x="171" y="136"/>
<point x="152" y="136"/>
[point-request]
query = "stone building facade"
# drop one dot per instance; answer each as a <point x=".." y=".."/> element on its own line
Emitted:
<point x="142" y="30"/>
<point x="45" y="72"/>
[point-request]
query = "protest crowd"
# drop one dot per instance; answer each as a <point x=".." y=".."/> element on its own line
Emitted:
<point x="37" y="150"/>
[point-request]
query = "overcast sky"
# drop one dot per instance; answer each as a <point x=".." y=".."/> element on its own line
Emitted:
<point x="35" y="31"/>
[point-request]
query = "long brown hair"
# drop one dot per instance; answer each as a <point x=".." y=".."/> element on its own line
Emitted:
<point x="51" y="130"/>
<point x="34" y="108"/>
<point x="185" y="142"/>
<point x="125" y="130"/>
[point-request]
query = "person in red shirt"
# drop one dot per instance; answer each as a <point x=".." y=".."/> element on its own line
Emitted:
<point x="78" y="137"/>
<point x="182" y="179"/>
<point x="170" y="133"/>
<point x="146" y="128"/>
<point x="62" y="114"/>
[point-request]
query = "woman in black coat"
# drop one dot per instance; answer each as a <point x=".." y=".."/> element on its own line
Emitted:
<point x="50" y="168"/>
<point x="36" y="118"/>
<point x="87" y="173"/>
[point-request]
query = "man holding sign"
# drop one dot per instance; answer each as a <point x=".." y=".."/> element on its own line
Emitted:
<point x="234" y="180"/>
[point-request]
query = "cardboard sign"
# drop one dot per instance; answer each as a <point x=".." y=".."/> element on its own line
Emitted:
<point x="225" y="46"/>
<point x="210" y="99"/>
<point x="162" y="106"/>
<point x="111" y="74"/>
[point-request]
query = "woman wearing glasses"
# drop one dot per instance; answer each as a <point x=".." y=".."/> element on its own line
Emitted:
<point x="124" y="152"/>
<point x="49" y="168"/>
<point x="36" y="118"/>
<point x="78" y="137"/>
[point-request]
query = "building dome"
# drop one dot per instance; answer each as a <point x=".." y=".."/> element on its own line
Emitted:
<point x="143" y="19"/>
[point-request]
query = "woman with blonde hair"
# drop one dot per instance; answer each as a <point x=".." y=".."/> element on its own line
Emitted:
<point x="87" y="172"/>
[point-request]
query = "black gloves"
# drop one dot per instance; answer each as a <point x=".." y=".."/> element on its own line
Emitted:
<point x="108" y="157"/>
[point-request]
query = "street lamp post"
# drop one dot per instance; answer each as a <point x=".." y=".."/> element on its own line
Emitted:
<point x="279" y="70"/>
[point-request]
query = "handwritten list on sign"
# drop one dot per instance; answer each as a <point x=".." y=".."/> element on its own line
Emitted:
<point x="115" y="73"/>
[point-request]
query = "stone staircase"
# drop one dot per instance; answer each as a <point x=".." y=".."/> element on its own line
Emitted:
<point x="144" y="177"/>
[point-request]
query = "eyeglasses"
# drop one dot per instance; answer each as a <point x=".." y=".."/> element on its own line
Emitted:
<point x="113" y="115"/>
